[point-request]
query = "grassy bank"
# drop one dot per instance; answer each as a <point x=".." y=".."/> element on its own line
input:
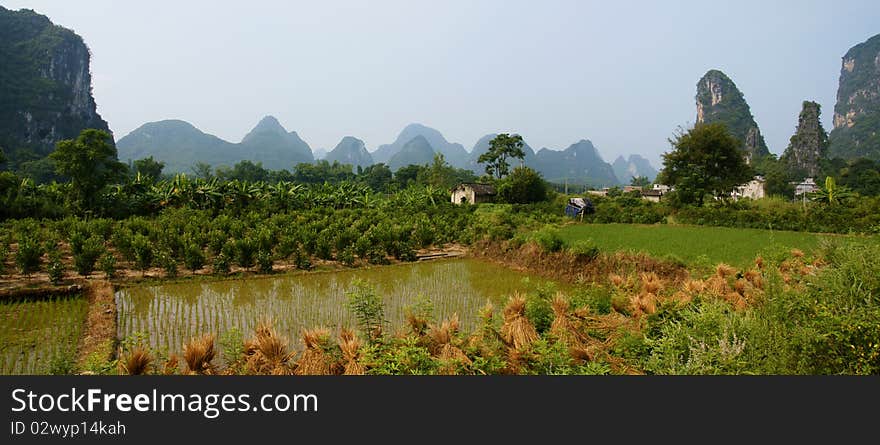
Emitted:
<point x="692" y="245"/>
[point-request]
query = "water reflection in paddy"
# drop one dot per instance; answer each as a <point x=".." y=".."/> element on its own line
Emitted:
<point x="170" y="314"/>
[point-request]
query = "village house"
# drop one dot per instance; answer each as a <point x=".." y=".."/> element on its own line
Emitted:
<point x="753" y="189"/>
<point x="806" y="186"/>
<point x="654" y="194"/>
<point x="473" y="193"/>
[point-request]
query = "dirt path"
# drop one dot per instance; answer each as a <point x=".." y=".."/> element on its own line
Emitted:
<point x="98" y="341"/>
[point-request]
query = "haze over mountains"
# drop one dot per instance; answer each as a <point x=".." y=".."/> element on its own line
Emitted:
<point x="180" y="145"/>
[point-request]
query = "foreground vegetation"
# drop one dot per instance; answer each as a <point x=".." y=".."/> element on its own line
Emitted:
<point x="793" y="314"/>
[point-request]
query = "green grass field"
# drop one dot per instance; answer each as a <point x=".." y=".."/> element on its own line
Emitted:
<point x="694" y="245"/>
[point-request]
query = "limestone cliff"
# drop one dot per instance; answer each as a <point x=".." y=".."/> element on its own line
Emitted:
<point x="856" y="130"/>
<point x="809" y="143"/>
<point x="45" y="85"/>
<point x="719" y="100"/>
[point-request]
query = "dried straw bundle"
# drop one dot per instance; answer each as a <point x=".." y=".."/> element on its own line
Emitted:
<point x="717" y="286"/>
<point x="694" y="287"/>
<point x="517" y="331"/>
<point x="616" y="279"/>
<point x="644" y="302"/>
<point x="350" y="346"/>
<point x="563" y="327"/>
<point x="442" y="344"/>
<point x="754" y="277"/>
<point x="136" y="362"/>
<point x="267" y="352"/>
<point x="171" y="366"/>
<point x="417" y="324"/>
<point x="724" y="270"/>
<point x="199" y="353"/>
<point x="314" y="360"/>
<point x="651" y="283"/>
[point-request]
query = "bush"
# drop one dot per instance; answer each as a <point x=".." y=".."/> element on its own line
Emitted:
<point x="27" y="258"/>
<point x="55" y="268"/>
<point x="302" y="261"/>
<point x="4" y="252"/>
<point x="193" y="257"/>
<point x="143" y="252"/>
<point x="221" y="264"/>
<point x="347" y="257"/>
<point x="522" y="186"/>
<point x="108" y="265"/>
<point x="264" y="261"/>
<point x="87" y="256"/>
<point x="368" y="309"/>
<point x="168" y="263"/>
<point x="584" y="249"/>
<point x="549" y="239"/>
<point x="245" y="251"/>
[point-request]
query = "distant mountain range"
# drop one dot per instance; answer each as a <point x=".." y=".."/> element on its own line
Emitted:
<point x="351" y="151"/>
<point x="635" y="166"/>
<point x="455" y="154"/>
<point x="180" y="145"/>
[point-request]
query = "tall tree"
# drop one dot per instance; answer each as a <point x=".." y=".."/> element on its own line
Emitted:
<point x="148" y="168"/>
<point x="501" y="148"/>
<point x="203" y="170"/>
<point x="640" y="181"/>
<point x="706" y="160"/>
<point x="90" y="162"/>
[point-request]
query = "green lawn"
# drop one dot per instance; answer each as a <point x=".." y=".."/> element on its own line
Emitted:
<point x="695" y="245"/>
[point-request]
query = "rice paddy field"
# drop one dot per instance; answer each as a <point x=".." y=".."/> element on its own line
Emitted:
<point x="39" y="337"/>
<point x="169" y="315"/>
<point x="694" y="245"/>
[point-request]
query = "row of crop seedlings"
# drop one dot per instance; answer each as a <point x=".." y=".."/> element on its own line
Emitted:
<point x="40" y="337"/>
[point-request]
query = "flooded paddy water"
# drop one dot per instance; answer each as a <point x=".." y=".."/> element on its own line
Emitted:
<point x="170" y="314"/>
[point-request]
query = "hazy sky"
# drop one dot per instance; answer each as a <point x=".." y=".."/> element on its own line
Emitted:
<point x="622" y="74"/>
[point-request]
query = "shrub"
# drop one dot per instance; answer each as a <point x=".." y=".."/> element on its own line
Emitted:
<point x="122" y="240"/>
<point x="193" y="257"/>
<point x="265" y="261"/>
<point x="522" y="186"/>
<point x="405" y="252"/>
<point x="377" y="256"/>
<point x="245" y="251"/>
<point x="367" y="307"/>
<point x="55" y="268"/>
<point x="584" y="249"/>
<point x="168" y="263"/>
<point x="287" y="246"/>
<point x="4" y="252"/>
<point x="143" y="252"/>
<point x="27" y="258"/>
<point x="108" y="265"/>
<point x="87" y="256"/>
<point x="347" y="257"/>
<point x="324" y="246"/>
<point x="363" y="246"/>
<point x="302" y="261"/>
<point x="221" y="264"/>
<point x="549" y="239"/>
